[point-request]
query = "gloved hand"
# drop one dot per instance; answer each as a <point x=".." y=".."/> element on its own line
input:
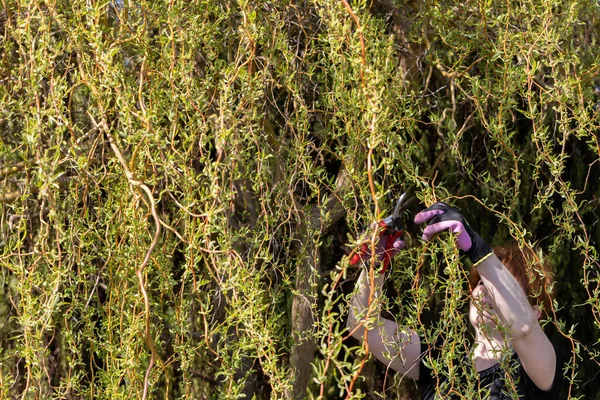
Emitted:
<point x="441" y="217"/>
<point x="384" y="249"/>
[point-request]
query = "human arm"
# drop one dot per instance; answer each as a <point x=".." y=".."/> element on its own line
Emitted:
<point x="510" y="303"/>
<point x="508" y="299"/>
<point x="397" y="348"/>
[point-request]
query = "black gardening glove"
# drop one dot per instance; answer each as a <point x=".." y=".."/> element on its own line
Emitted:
<point x="441" y="217"/>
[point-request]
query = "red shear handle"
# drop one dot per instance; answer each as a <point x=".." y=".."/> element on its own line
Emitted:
<point x="358" y="255"/>
<point x="387" y="254"/>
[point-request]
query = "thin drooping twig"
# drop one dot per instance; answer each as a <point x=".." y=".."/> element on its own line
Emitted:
<point x="372" y="189"/>
<point x="140" y="271"/>
<point x="103" y="126"/>
<point x="362" y="41"/>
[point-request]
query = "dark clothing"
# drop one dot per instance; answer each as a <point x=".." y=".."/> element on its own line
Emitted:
<point x="493" y="379"/>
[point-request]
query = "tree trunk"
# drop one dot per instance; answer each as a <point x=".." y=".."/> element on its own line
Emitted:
<point x="307" y="284"/>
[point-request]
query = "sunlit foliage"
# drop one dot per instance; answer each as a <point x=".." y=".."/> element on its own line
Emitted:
<point x="182" y="183"/>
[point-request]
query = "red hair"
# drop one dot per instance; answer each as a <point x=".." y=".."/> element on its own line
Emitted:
<point x="534" y="275"/>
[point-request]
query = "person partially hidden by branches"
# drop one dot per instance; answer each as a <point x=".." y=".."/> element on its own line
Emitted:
<point x="505" y="307"/>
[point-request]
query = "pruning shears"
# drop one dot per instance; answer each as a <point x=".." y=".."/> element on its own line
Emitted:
<point x="390" y="226"/>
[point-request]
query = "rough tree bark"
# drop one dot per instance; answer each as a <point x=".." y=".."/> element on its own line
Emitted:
<point x="307" y="284"/>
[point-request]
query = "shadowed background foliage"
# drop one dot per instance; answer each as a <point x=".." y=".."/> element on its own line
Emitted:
<point x="182" y="183"/>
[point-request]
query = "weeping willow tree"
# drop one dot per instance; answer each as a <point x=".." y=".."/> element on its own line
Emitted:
<point x="182" y="183"/>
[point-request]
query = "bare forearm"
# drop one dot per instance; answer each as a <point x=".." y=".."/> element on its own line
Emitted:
<point x="359" y="304"/>
<point x="507" y="297"/>
<point x="397" y="349"/>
